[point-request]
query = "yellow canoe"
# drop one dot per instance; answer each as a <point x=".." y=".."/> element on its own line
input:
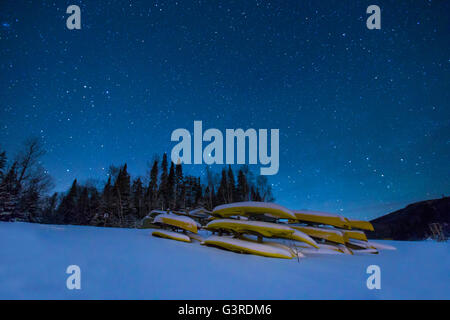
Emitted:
<point x="363" y="225"/>
<point x="265" y="229"/>
<point x="302" y="237"/>
<point x="249" y="208"/>
<point x="171" y="235"/>
<point x="181" y="222"/>
<point x="322" y="218"/>
<point x="354" y="234"/>
<point x="322" y="233"/>
<point x="244" y="246"/>
<point x="295" y="253"/>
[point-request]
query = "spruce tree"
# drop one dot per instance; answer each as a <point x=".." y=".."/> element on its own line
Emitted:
<point x="151" y="195"/>
<point x="179" y="187"/>
<point x="231" y="188"/>
<point x="67" y="208"/>
<point x="222" y="196"/>
<point x="2" y="164"/>
<point x="49" y="212"/>
<point x="83" y="207"/>
<point x="163" y="186"/>
<point x="122" y="199"/>
<point x="198" y="193"/>
<point x="171" y="187"/>
<point x="94" y="205"/>
<point x="138" y="198"/>
<point x="9" y="194"/>
<point x="242" y="187"/>
<point x="106" y="205"/>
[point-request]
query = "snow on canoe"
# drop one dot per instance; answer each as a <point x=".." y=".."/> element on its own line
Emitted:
<point x="197" y="237"/>
<point x="302" y="237"/>
<point x="249" y="208"/>
<point x="181" y="222"/>
<point x="359" y="224"/>
<point x="200" y="213"/>
<point x="244" y="246"/>
<point x="265" y="229"/>
<point x="371" y="245"/>
<point x="361" y="246"/>
<point x="323" y="249"/>
<point x="380" y="246"/>
<point x="322" y="233"/>
<point x="372" y="251"/>
<point x="171" y="235"/>
<point x="295" y="253"/>
<point x="322" y="218"/>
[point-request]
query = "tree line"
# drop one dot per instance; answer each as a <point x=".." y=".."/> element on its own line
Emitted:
<point x="122" y="201"/>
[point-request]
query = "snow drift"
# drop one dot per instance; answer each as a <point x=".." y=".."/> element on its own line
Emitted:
<point x="131" y="264"/>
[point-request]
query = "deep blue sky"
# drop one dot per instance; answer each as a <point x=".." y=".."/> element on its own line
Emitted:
<point x="363" y="114"/>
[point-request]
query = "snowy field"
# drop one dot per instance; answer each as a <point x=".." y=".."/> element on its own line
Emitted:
<point x="131" y="264"/>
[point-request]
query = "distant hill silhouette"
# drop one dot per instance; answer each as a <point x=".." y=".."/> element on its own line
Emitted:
<point x="412" y="222"/>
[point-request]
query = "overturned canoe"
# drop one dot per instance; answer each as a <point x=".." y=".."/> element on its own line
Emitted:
<point x="354" y="234"/>
<point x="244" y="246"/>
<point x="171" y="235"/>
<point x="265" y="229"/>
<point x="250" y="208"/>
<point x="295" y="253"/>
<point x="302" y="237"/>
<point x="322" y="233"/>
<point x="360" y="224"/>
<point x="181" y="222"/>
<point x="322" y="218"/>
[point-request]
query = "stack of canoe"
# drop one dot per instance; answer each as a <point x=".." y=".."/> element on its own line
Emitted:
<point x="269" y="230"/>
<point x="296" y="232"/>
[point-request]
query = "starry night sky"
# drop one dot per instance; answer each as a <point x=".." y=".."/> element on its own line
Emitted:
<point x="364" y="115"/>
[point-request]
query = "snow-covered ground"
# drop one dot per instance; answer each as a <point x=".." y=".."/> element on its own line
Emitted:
<point x="131" y="264"/>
